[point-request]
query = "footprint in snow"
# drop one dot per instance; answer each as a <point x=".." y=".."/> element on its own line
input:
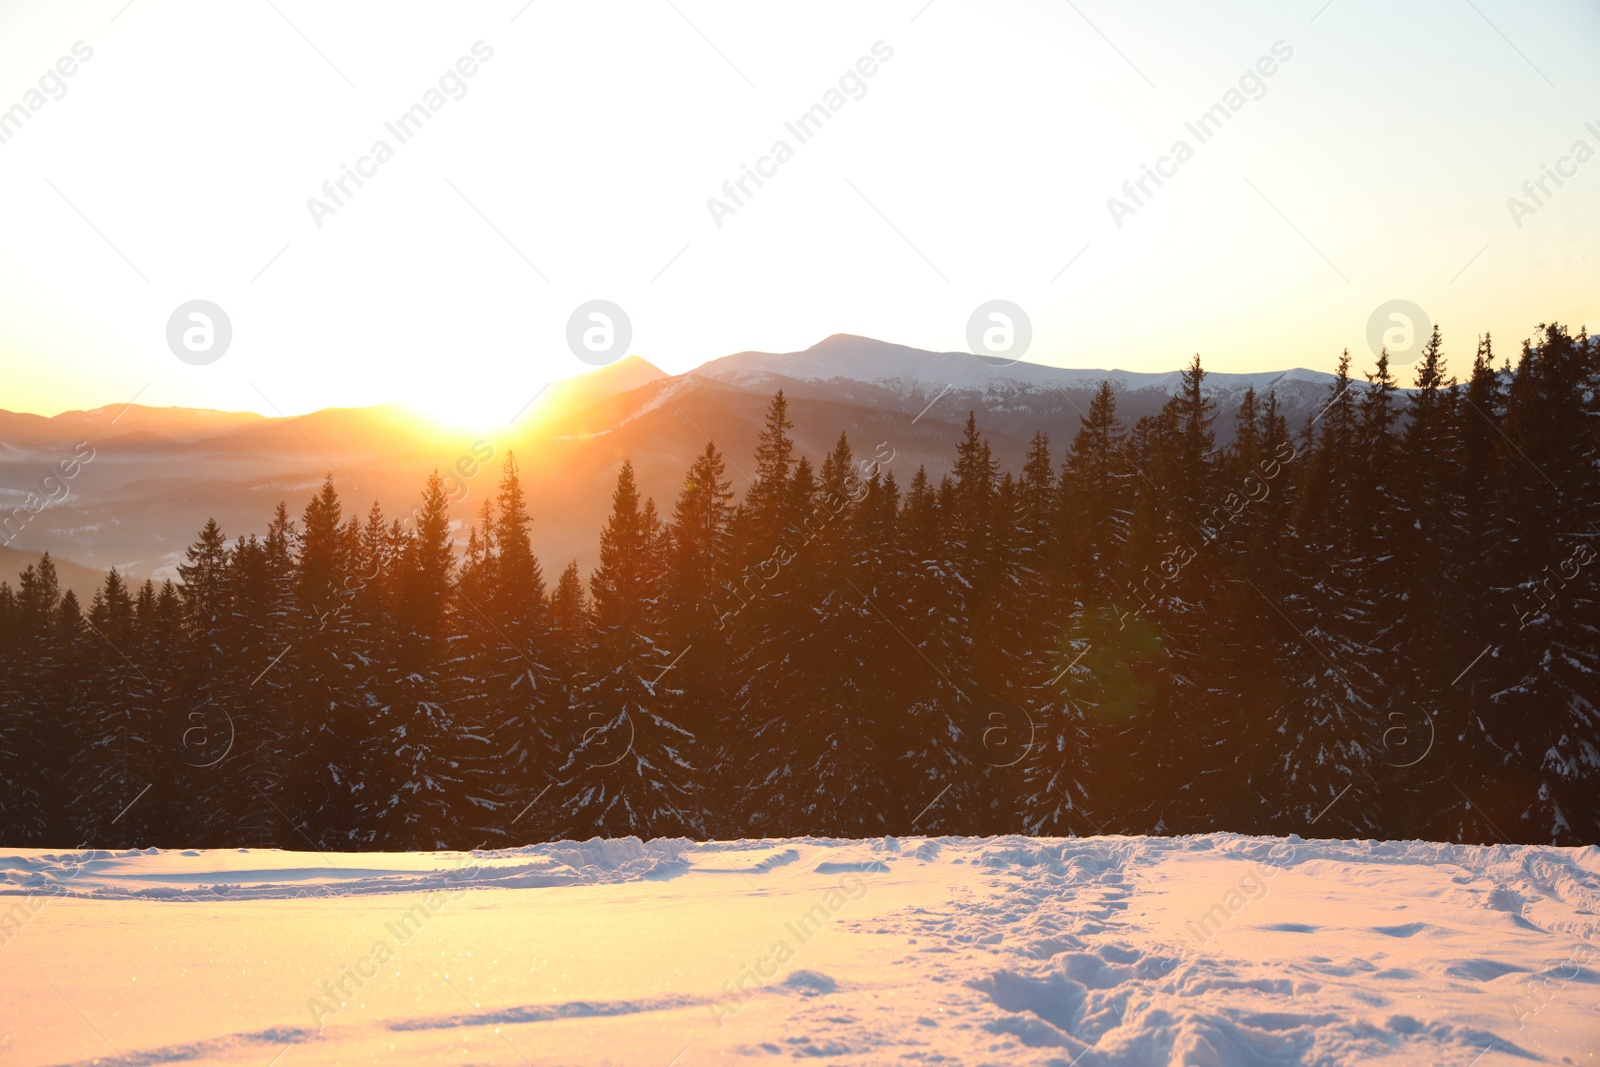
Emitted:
<point x="1408" y="930"/>
<point x="810" y="983"/>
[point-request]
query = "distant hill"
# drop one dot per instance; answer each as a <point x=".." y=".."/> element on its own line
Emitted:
<point x="845" y="358"/>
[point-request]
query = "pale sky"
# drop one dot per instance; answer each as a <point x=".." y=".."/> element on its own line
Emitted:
<point x="175" y="164"/>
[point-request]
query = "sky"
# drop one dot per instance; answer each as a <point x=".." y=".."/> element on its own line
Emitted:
<point x="970" y="152"/>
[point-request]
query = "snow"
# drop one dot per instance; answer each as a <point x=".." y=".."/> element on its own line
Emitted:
<point x="1216" y="949"/>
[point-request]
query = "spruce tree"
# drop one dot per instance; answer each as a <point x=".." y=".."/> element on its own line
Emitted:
<point x="631" y="772"/>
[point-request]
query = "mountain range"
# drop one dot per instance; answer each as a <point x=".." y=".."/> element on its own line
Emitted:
<point x="158" y="473"/>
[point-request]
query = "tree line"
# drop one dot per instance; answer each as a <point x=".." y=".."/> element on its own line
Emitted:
<point x="1381" y="623"/>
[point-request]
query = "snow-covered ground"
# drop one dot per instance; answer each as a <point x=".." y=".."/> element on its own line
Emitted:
<point x="1125" y="950"/>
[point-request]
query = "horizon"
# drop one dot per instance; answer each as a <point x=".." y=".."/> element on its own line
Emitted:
<point x="1398" y="370"/>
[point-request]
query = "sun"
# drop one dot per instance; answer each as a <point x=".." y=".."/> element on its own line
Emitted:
<point x="457" y="410"/>
<point x="468" y="408"/>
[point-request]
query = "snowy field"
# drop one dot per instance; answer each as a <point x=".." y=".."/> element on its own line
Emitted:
<point x="1120" y="950"/>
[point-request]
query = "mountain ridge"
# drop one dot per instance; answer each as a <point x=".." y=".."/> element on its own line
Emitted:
<point x="738" y="368"/>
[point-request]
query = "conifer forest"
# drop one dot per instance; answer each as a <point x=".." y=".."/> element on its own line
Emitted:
<point x="1381" y="622"/>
